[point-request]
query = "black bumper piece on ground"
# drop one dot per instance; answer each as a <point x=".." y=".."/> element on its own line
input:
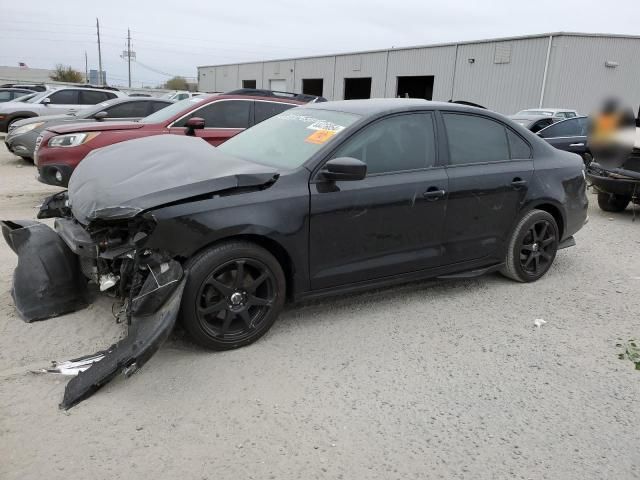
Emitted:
<point x="144" y="338"/>
<point x="47" y="281"/>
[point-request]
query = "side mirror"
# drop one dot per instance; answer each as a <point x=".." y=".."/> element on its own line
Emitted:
<point x="46" y="101"/>
<point x="101" y="115"/>
<point x="193" y="124"/>
<point x="344" y="168"/>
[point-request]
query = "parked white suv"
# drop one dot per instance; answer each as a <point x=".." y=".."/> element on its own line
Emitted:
<point x="53" y="102"/>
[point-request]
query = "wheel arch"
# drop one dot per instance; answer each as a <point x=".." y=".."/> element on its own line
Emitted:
<point x="553" y="209"/>
<point x="272" y="246"/>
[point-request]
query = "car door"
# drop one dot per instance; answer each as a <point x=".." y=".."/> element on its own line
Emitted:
<point x="390" y="222"/>
<point x="63" y="101"/>
<point x="222" y="120"/>
<point x="569" y="135"/>
<point x="489" y="167"/>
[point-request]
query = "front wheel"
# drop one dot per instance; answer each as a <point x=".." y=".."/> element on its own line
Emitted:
<point x="610" y="202"/>
<point x="234" y="293"/>
<point x="532" y="247"/>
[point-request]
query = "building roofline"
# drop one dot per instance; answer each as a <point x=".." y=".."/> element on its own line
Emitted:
<point x="433" y="45"/>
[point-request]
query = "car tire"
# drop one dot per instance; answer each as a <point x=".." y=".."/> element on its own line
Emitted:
<point x="222" y="310"/>
<point x="532" y="247"/>
<point x="610" y="202"/>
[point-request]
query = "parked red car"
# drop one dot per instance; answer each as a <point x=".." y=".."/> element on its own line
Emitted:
<point x="215" y="118"/>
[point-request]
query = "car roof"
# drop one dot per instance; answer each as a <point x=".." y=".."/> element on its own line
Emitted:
<point x="377" y="106"/>
<point x="531" y="118"/>
<point x="16" y="89"/>
<point x="210" y="97"/>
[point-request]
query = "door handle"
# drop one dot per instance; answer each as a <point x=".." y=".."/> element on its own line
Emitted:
<point x="434" y="193"/>
<point x="577" y="145"/>
<point x="518" y="182"/>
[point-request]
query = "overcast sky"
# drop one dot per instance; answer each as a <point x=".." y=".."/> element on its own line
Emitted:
<point x="173" y="38"/>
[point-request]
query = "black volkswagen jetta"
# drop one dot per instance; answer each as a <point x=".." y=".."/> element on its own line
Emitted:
<point x="326" y="198"/>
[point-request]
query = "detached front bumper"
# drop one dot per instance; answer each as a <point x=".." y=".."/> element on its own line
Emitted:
<point x="49" y="282"/>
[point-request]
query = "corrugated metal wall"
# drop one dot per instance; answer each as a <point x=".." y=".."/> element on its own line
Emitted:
<point x="436" y="61"/>
<point x="278" y="71"/>
<point x="578" y="77"/>
<point x="503" y="87"/>
<point x="321" y="67"/>
<point x="207" y="79"/>
<point x="503" y="75"/>
<point x="372" y="65"/>
<point x="250" y="71"/>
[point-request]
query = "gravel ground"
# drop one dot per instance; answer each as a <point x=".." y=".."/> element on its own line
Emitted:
<point x="428" y="380"/>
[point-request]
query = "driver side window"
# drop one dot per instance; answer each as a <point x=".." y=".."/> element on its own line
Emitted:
<point x="394" y="144"/>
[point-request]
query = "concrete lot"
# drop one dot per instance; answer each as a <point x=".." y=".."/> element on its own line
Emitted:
<point x="429" y="380"/>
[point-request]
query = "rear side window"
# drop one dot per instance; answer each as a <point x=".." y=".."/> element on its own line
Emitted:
<point x="567" y="128"/>
<point x="475" y="139"/>
<point x="88" y="97"/>
<point x="128" y="110"/>
<point x="225" y="114"/>
<point x="399" y="143"/>
<point x="65" y="97"/>
<point x="155" y="106"/>
<point x="517" y="146"/>
<point x="264" y="110"/>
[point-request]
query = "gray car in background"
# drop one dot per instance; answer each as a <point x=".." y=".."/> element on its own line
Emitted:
<point x="22" y="136"/>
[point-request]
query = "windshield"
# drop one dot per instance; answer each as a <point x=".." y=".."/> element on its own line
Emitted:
<point x="24" y="98"/>
<point x="535" y="112"/>
<point x="168" y="112"/>
<point x="290" y="138"/>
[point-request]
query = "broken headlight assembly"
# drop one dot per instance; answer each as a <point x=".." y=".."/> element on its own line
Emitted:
<point x="72" y="139"/>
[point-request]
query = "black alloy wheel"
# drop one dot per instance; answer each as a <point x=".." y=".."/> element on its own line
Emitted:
<point x="233" y="295"/>
<point x="532" y="247"/>
<point x="235" y="298"/>
<point x="538" y="248"/>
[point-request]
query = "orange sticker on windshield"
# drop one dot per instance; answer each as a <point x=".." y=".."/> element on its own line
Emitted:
<point x="320" y="136"/>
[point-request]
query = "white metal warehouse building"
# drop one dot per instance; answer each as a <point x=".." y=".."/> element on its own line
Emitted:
<point x="567" y="70"/>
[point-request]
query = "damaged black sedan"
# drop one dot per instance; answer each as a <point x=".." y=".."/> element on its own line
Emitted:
<point x="321" y="199"/>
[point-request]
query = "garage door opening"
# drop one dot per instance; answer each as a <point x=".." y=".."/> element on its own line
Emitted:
<point x="278" y="85"/>
<point x="312" y="86"/>
<point x="357" y="88"/>
<point x="248" y="84"/>
<point x="415" y="87"/>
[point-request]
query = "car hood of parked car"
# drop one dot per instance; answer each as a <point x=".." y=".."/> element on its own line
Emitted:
<point x="94" y="127"/>
<point x="47" y="118"/>
<point x="122" y="180"/>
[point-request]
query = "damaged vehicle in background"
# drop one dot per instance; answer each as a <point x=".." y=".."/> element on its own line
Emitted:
<point x="329" y="198"/>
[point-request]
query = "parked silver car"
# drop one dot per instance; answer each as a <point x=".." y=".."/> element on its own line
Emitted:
<point x="22" y="135"/>
<point x="54" y="102"/>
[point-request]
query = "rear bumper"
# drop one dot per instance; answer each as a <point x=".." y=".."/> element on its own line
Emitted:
<point x="49" y="282"/>
<point x="616" y="186"/>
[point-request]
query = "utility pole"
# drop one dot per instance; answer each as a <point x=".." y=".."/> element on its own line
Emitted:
<point x="101" y="80"/>
<point x="86" y="68"/>
<point x="129" y="53"/>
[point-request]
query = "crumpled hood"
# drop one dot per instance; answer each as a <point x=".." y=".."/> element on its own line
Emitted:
<point x="124" y="179"/>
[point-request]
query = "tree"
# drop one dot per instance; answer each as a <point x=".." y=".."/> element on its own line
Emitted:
<point x="66" y="74"/>
<point x="177" y="83"/>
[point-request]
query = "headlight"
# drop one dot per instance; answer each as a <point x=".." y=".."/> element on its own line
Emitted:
<point x="26" y="128"/>
<point x="72" y="139"/>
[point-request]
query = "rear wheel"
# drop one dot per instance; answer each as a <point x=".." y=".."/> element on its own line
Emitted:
<point x="610" y="202"/>
<point x="532" y="247"/>
<point x="234" y="293"/>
